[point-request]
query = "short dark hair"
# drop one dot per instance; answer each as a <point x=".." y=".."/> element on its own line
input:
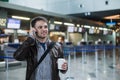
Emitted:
<point x="35" y="19"/>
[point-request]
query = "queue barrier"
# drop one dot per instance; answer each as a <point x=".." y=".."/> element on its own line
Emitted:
<point x="9" y="49"/>
<point x="91" y="49"/>
<point x="109" y="47"/>
<point x="85" y="48"/>
<point x="6" y="57"/>
<point x="68" y="51"/>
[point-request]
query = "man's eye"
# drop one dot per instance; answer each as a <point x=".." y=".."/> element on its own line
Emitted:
<point x="40" y="27"/>
<point x="46" y="26"/>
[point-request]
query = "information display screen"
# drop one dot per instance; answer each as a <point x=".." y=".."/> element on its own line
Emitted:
<point x="13" y="23"/>
<point x="70" y="29"/>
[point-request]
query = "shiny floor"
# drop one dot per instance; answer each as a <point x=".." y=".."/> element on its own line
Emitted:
<point x="87" y="68"/>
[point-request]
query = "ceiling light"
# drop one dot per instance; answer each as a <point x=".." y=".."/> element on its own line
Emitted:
<point x="105" y="29"/>
<point x="100" y="28"/>
<point x="78" y="25"/>
<point x="112" y="17"/>
<point x="86" y="26"/>
<point x="118" y="23"/>
<point x="70" y="24"/>
<point x="87" y="13"/>
<point x="20" y="17"/>
<point x="57" y="22"/>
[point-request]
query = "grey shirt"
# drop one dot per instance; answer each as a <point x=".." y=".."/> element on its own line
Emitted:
<point x="43" y="72"/>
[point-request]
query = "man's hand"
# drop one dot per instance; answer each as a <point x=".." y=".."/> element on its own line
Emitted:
<point x="32" y="33"/>
<point x="65" y="66"/>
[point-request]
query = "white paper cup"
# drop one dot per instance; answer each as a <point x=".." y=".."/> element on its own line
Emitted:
<point x="60" y="62"/>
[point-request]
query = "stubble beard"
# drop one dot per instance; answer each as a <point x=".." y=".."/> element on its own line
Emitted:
<point x="40" y="37"/>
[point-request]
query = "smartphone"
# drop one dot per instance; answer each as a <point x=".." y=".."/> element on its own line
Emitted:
<point x="34" y="33"/>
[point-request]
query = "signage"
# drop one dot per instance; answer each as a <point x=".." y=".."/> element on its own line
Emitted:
<point x="3" y="22"/>
<point x="3" y="18"/>
<point x="13" y="23"/>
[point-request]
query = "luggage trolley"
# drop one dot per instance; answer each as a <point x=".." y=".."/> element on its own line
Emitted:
<point x="68" y="50"/>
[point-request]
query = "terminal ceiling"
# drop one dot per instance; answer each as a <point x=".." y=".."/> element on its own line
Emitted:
<point x="91" y="15"/>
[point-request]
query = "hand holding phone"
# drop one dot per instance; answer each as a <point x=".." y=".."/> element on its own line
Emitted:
<point x="33" y="32"/>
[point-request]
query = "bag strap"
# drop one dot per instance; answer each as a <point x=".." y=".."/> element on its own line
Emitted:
<point x="51" y="45"/>
<point x="45" y="53"/>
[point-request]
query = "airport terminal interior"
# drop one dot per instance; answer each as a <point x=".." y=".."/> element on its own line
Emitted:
<point x="88" y="29"/>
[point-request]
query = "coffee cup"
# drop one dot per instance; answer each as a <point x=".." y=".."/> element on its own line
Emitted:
<point x="60" y="62"/>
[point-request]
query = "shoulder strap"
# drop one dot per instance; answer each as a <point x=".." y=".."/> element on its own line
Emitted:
<point x="45" y="53"/>
<point x="42" y="57"/>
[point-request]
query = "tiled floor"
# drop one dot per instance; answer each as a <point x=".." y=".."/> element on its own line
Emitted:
<point x="77" y="70"/>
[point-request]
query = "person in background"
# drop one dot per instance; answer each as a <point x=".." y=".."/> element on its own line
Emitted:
<point x="61" y="40"/>
<point x="32" y="49"/>
<point x="79" y="43"/>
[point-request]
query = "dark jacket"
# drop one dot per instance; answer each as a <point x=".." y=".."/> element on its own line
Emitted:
<point x="28" y="51"/>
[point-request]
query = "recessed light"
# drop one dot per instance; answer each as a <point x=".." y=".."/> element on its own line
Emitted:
<point x="20" y="17"/>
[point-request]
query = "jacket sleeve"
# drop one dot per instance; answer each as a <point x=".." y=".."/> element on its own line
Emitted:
<point x="64" y="71"/>
<point x="61" y="55"/>
<point x="23" y="51"/>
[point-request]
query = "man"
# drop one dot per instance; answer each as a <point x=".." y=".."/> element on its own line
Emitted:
<point x="34" y="47"/>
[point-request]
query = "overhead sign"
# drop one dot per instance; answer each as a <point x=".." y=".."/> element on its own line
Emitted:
<point x="3" y="18"/>
<point x="3" y="22"/>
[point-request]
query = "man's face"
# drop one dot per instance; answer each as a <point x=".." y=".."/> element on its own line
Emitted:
<point x="41" y="29"/>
